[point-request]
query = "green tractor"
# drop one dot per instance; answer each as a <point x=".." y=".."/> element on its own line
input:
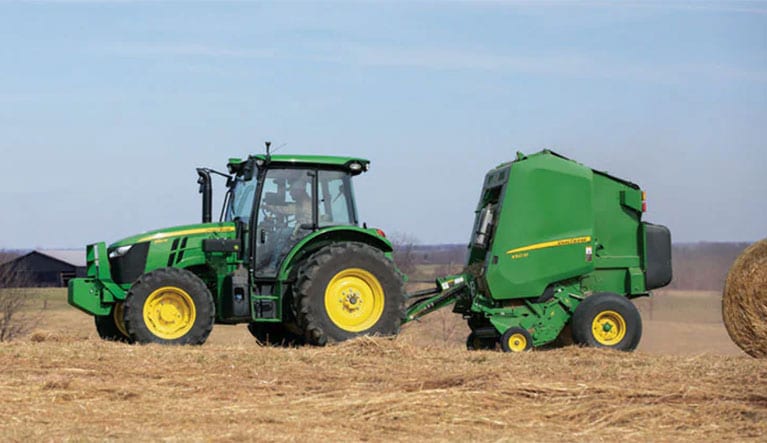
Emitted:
<point x="288" y="257"/>
<point x="556" y="254"/>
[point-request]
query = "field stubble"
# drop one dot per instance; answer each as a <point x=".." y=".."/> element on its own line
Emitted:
<point x="64" y="383"/>
<point x="371" y="389"/>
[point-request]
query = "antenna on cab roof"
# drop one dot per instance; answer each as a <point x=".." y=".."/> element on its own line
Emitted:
<point x="268" y="144"/>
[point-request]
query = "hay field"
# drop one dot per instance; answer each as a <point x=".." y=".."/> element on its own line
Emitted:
<point x="62" y="383"/>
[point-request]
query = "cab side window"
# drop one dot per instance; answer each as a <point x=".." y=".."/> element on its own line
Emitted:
<point x="334" y="204"/>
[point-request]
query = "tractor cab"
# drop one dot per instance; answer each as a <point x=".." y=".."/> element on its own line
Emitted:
<point x="283" y="198"/>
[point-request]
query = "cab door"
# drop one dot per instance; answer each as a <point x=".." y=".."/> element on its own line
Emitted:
<point x="286" y="214"/>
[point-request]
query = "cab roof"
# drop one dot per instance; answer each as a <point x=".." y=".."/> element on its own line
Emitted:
<point x="354" y="165"/>
<point x="325" y="160"/>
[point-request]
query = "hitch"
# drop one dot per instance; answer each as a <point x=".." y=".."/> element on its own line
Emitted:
<point x="448" y="290"/>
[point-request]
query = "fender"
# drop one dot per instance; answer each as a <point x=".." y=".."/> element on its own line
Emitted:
<point x="334" y="234"/>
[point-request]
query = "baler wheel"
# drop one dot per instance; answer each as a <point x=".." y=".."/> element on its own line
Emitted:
<point x="274" y="334"/>
<point x="476" y="343"/>
<point x="607" y="320"/>
<point x="169" y="306"/>
<point x="348" y="289"/>
<point x="516" y="339"/>
<point x="112" y="327"/>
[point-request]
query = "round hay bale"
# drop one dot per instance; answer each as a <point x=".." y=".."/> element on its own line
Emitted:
<point x="744" y="302"/>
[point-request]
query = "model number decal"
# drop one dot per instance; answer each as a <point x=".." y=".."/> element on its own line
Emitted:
<point x="551" y="244"/>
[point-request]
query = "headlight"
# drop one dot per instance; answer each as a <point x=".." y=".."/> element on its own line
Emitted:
<point x="119" y="252"/>
<point x="355" y="166"/>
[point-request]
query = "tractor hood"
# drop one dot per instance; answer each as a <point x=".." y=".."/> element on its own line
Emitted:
<point x="223" y="230"/>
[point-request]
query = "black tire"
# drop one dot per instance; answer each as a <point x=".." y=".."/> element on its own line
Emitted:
<point x="516" y="339"/>
<point x="274" y="334"/>
<point x="476" y="343"/>
<point x="372" y="281"/>
<point x="621" y="323"/>
<point x="180" y="307"/>
<point x="107" y="328"/>
<point x="565" y="337"/>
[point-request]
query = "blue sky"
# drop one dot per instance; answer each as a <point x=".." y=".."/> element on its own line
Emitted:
<point x="106" y="107"/>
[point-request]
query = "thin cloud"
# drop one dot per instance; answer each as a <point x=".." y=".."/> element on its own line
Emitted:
<point x="746" y="7"/>
<point x="187" y="50"/>
<point x="121" y="1"/>
<point x="562" y="64"/>
<point x="568" y="65"/>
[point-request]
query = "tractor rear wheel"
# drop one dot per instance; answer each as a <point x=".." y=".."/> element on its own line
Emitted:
<point x="112" y="327"/>
<point x="274" y="334"/>
<point x="607" y="320"/>
<point x="169" y="306"/>
<point x="346" y="290"/>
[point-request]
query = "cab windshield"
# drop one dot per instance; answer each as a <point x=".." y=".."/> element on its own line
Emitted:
<point x="241" y="201"/>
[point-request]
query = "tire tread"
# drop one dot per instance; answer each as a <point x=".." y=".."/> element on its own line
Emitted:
<point x="146" y="283"/>
<point x="311" y="270"/>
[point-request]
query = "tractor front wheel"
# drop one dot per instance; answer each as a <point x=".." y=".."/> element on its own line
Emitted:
<point x="346" y="290"/>
<point x="112" y="327"/>
<point x="169" y="306"/>
<point x="607" y="320"/>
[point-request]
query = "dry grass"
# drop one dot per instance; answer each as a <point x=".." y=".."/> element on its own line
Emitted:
<point x="744" y="305"/>
<point x="62" y="383"/>
<point x="58" y="387"/>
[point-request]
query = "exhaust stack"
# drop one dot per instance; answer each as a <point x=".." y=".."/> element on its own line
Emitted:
<point x="206" y="189"/>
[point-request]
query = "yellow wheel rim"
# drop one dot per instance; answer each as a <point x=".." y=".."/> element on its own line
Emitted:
<point x="169" y="312"/>
<point x="118" y="315"/>
<point x="609" y="328"/>
<point x="354" y="300"/>
<point x="517" y="342"/>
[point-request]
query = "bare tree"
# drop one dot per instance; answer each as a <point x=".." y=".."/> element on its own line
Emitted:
<point x="404" y="251"/>
<point x="14" y="321"/>
<point x="703" y="266"/>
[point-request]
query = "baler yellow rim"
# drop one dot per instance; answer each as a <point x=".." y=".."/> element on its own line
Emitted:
<point x="608" y="328"/>
<point x="517" y="342"/>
